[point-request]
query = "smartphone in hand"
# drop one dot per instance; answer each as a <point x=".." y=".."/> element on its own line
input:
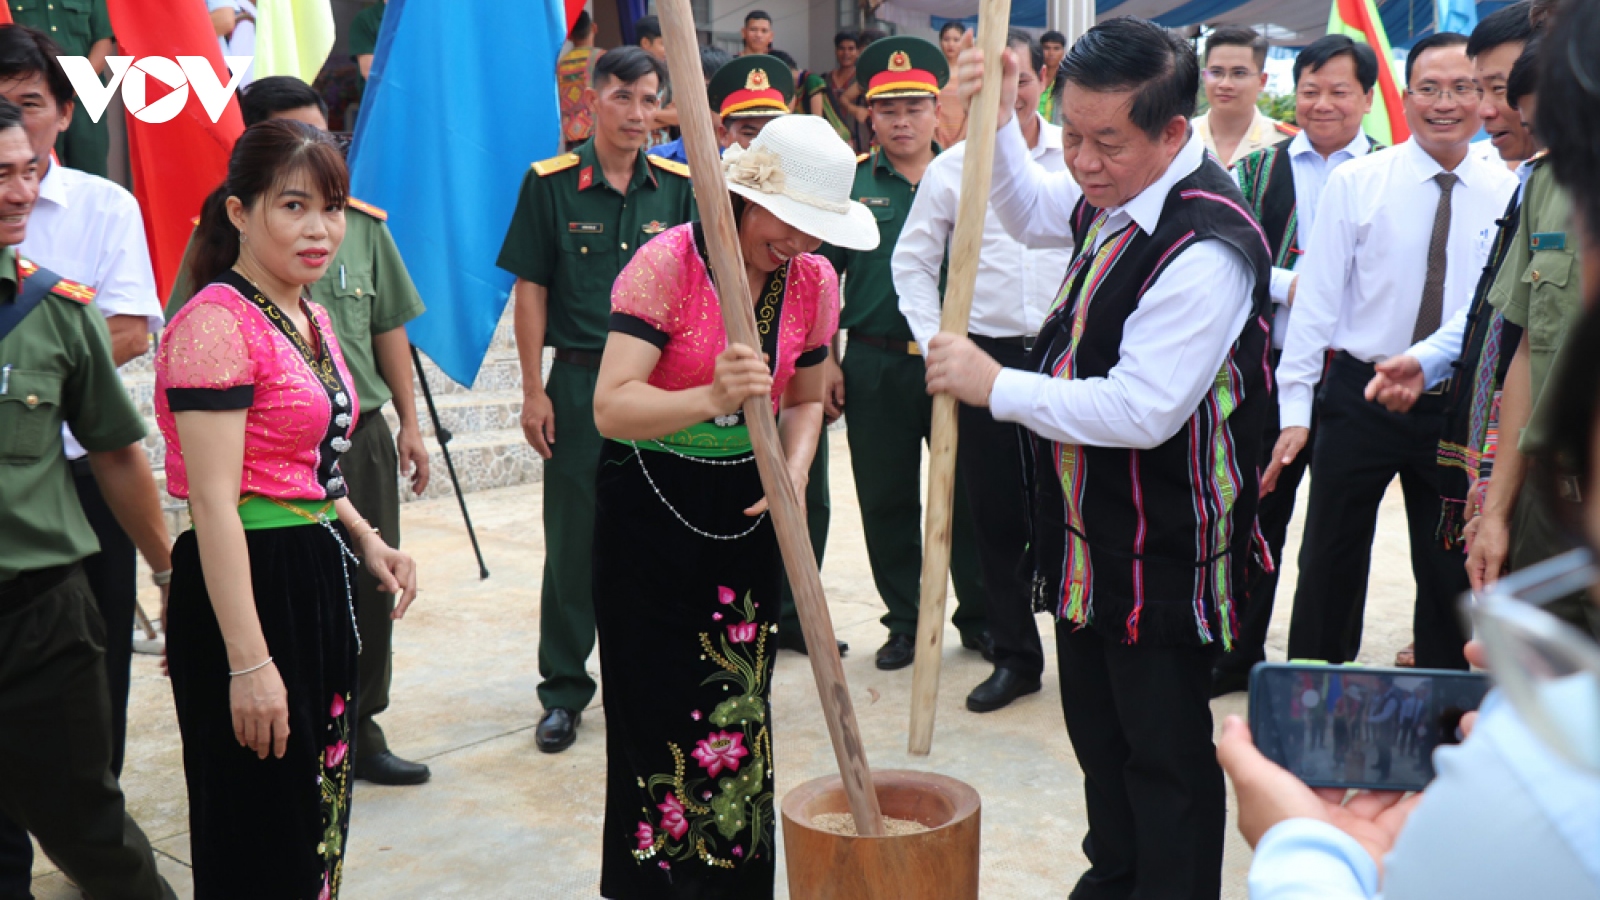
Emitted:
<point x="1358" y="727"/>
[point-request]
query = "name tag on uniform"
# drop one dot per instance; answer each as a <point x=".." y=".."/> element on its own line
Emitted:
<point x="1548" y="240"/>
<point x="874" y="201"/>
<point x="586" y="227"/>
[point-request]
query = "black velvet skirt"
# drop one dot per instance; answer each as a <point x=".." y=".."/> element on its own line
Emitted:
<point x="687" y="610"/>
<point x="271" y="829"/>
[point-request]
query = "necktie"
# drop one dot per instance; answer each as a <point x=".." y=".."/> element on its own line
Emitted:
<point x="1431" y="312"/>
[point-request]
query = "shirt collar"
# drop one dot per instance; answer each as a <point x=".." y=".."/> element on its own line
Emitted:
<point x="587" y="160"/>
<point x="880" y="161"/>
<point x="53" y="187"/>
<point x="8" y="273"/>
<point x="1424" y="167"/>
<point x="1049" y="135"/>
<point x="1359" y="146"/>
<point x="1145" y="209"/>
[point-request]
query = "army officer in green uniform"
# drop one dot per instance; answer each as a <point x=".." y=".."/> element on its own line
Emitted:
<point x="368" y="293"/>
<point x="579" y="220"/>
<point x="55" y="744"/>
<point x="80" y="28"/>
<point x="885" y="397"/>
<point x="748" y="92"/>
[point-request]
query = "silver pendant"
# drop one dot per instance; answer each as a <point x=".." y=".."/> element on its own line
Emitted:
<point x="342" y="420"/>
<point x="726" y="421"/>
<point x="340" y="444"/>
<point x="335" y="484"/>
<point x="341" y="399"/>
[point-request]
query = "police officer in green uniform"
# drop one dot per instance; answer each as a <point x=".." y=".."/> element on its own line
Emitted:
<point x="579" y="219"/>
<point x="55" y="744"/>
<point x="748" y="92"/>
<point x="81" y="28"/>
<point x="1539" y="288"/>
<point x="369" y="295"/>
<point x="890" y="413"/>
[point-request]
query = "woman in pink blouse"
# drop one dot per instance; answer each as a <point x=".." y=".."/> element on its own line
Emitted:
<point x="255" y="403"/>
<point x="686" y="565"/>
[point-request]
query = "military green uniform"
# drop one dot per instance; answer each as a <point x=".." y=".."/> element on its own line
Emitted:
<point x="367" y="292"/>
<point x="890" y="415"/>
<point x="572" y="233"/>
<point x="363" y="40"/>
<point x="75" y="25"/>
<point x="1538" y="288"/>
<point x="55" y="744"/>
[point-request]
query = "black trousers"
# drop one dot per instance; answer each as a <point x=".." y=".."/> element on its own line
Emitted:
<point x="113" y="580"/>
<point x="991" y="463"/>
<point x="55" y="743"/>
<point x="1274" y="513"/>
<point x="1361" y="447"/>
<point x="1139" y="718"/>
<point x="369" y="468"/>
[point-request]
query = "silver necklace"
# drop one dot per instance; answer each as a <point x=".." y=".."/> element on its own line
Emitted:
<point x="679" y="516"/>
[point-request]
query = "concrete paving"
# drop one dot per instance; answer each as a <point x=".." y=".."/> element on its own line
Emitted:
<point x="501" y="820"/>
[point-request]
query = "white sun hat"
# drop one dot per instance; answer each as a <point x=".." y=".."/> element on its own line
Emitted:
<point x="800" y="171"/>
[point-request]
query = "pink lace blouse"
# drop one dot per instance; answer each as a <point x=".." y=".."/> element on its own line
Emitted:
<point x="668" y="289"/>
<point x="221" y="352"/>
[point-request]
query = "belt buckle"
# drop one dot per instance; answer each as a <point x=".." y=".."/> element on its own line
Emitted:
<point x="1028" y="341"/>
<point x="1437" y="390"/>
<point x="913" y="348"/>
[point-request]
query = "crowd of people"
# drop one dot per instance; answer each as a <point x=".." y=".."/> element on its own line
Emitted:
<point x="1177" y="318"/>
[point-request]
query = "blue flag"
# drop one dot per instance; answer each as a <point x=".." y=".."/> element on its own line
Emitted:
<point x="1460" y="16"/>
<point x="461" y="100"/>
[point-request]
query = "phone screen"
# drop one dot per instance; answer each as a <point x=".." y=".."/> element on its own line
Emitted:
<point x="1352" y="727"/>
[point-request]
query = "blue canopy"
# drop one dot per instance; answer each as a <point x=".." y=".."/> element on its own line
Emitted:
<point x="1406" y="21"/>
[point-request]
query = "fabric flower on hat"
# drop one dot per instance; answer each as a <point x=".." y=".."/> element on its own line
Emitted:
<point x="757" y="168"/>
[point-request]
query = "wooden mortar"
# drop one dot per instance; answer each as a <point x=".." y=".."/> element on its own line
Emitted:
<point x="938" y="864"/>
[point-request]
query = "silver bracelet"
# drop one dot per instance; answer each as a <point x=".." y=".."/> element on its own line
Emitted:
<point x="254" y="668"/>
<point x="162" y="578"/>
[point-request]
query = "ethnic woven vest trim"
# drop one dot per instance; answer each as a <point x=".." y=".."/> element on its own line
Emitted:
<point x="1150" y="545"/>
<point x="769" y="313"/>
<point x="335" y="440"/>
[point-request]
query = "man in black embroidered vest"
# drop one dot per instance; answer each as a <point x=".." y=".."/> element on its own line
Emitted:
<point x="1333" y="81"/>
<point x="1147" y="394"/>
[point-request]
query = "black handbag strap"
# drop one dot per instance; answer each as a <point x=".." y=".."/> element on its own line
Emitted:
<point x="32" y="293"/>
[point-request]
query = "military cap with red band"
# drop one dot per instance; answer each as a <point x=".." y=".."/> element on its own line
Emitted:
<point x="901" y="66"/>
<point x="752" y="87"/>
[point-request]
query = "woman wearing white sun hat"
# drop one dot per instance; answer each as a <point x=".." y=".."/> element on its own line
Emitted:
<point x="686" y="563"/>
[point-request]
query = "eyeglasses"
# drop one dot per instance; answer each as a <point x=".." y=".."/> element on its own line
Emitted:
<point x="1549" y="670"/>
<point x="1238" y="73"/>
<point x="1433" y="93"/>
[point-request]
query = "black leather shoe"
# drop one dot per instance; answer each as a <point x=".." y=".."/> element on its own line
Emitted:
<point x="980" y="642"/>
<point x="557" y="730"/>
<point x="1229" y="680"/>
<point x="897" y="652"/>
<point x="795" y="639"/>
<point x="386" y="768"/>
<point x="998" y="690"/>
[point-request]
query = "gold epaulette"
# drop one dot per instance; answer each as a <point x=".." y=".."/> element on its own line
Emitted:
<point x="368" y="208"/>
<point x="547" y="167"/>
<point x="1286" y="129"/>
<point x="26" y="268"/>
<point x="863" y="158"/>
<point x="72" y="290"/>
<point x="668" y="165"/>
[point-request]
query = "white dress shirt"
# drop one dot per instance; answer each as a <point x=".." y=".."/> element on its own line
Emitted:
<point x="90" y="230"/>
<point x="1015" y="285"/>
<point x="1439" y="350"/>
<point x="1172" y="345"/>
<point x="1311" y="173"/>
<point x="1361" y="283"/>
